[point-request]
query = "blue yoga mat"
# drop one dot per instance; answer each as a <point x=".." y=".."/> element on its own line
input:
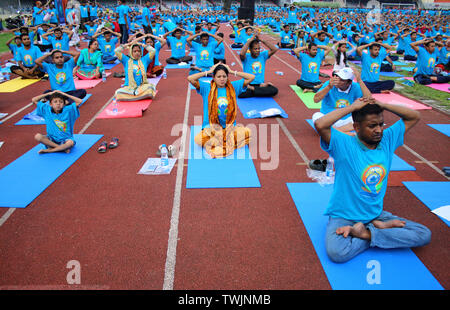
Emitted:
<point x="400" y="269"/>
<point x="391" y="74"/>
<point x="442" y="128"/>
<point x="29" y="175"/>
<point x="173" y="66"/>
<point x="110" y="66"/>
<point x="259" y="104"/>
<point x="236" y="170"/>
<point x="33" y="119"/>
<point x="432" y="194"/>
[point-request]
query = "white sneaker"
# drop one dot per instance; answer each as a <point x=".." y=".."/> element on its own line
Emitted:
<point x="182" y="63"/>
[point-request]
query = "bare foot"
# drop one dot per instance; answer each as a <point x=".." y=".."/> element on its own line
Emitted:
<point x="43" y="151"/>
<point x="306" y="90"/>
<point x="389" y="224"/>
<point x="344" y="231"/>
<point x="360" y="231"/>
<point x="67" y="151"/>
<point x="385" y="91"/>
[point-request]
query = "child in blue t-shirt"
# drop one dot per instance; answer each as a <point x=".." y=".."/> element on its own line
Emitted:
<point x="60" y="117"/>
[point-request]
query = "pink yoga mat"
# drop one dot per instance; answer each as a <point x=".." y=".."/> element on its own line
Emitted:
<point x="441" y="87"/>
<point x="125" y="109"/>
<point x="393" y="98"/>
<point x="84" y="84"/>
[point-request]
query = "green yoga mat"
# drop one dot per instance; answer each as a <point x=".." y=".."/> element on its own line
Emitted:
<point x="307" y="98"/>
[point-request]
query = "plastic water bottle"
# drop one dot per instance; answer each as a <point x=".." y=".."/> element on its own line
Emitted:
<point x="164" y="74"/>
<point x="164" y="156"/>
<point x="329" y="171"/>
<point x="279" y="73"/>
<point x="115" y="110"/>
<point x="103" y="76"/>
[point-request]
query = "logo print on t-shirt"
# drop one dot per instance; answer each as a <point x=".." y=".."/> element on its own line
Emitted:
<point x="373" y="177"/>
<point x="108" y="48"/>
<point x="342" y="103"/>
<point x="179" y="45"/>
<point x="60" y="78"/>
<point x="312" y="67"/>
<point x="28" y="59"/>
<point x="58" y="46"/>
<point x="61" y="125"/>
<point x="222" y="105"/>
<point x="204" y="55"/>
<point x="374" y="67"/>
<point x="256" y="67"/>
<point x="431" y="62"/>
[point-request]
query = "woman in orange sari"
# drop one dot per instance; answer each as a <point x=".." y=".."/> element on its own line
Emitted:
<point x="220" y="136"/>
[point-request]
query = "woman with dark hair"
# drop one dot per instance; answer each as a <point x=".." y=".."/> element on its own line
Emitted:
<point x="89" y="64"/>
<point x="220" y="136"/>
<point x="136" y="86"/>
<point x="341" y="54"/>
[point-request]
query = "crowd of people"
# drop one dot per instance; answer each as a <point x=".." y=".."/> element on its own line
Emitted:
<point x="317" y="37"/>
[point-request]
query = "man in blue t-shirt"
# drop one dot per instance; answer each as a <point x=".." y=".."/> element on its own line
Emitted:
<point x="371" y="60"/>
<point x="426" y="62"/>
<point x="311" y="61"/>
<point x="26" y="59"/>
<point x="122" y="12"/>
<point x="60" y="72"/>
<point x="204" y="51"/>
<point x="255" y="63"/>
<point x="107" y="41"/>
<point x="357" y="220"/>
<point x="177" y="44"/>
<point x="340" y="92"/>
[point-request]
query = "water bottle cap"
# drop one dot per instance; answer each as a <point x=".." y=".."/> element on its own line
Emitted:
<point x="163" y="145"/>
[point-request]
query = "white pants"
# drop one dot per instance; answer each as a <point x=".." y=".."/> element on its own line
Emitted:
<point x="339" y="123"/>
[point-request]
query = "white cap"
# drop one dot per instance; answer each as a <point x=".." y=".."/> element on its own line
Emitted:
<point x="345" y="73"/>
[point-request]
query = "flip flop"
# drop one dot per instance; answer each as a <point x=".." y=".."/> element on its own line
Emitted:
<point x="102" y="147"/>
<point x="114" y="143"/>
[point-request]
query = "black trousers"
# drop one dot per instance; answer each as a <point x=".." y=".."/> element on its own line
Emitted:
<point x="175" y="61"/>
<point x="308" y="85"/>
<point x="267" y="91"/>
<point x="124" y="33"/>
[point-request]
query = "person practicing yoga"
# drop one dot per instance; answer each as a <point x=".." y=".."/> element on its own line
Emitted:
<point x="357" y="220"/>
<point x="339" y="92"/>
<point x="136" y="86"/>
<point x="426" y="62"/>
<point x="311" y="61"/>
<point x="204" y="51"/>
<point x="60" y="72"/>
<point x="255" y="63"/>
<point x="89" y="65"/>
<point x="60" y="117"/>
<point x="371" y="65"/>
<point x="177" y="44"/>
<point x="26" y="60"/>
<point x="220" y="136"/>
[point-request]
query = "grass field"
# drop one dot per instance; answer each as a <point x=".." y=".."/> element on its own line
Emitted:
<point x="4" y="37"/>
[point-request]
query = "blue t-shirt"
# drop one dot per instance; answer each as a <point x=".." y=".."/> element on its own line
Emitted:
<point x="426" y="61"/>
<point x="444" y="56"/>
<point x="84" y="11"/>
<point x="62" y="44"/>
<point x="177" y="46"/>
<point x="311" y="66"/>
<point x="91" y="29"/>
<point x="256" y="66"/>
<point x="336" y="99"/>
<point x="219" y="51"/>
<point x="222" y="102"/>
<point x="123" y="11"/>
<point x="61" y="79"/>
<point x="15" y="50"/>
<point x="361" y="174"/>
<point x="157" y="49"/>
<point x="28" y="57"/>
<point x="38" y="17"/>
<point x="285" y="36"/>
<point x="145" y="13"/>
<point x="371" y="66"/>
<point x="137" y="74"/>
<point x="204" y="54"/>
<point x="107" y="48"/>
<point x="59" y="126"/>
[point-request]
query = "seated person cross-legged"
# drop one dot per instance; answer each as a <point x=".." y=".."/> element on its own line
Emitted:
<point x="220" y="135"/>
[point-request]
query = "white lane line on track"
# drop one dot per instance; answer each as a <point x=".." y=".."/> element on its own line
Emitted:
<point x="171" y="256"/>
<point x="15" y="113"/>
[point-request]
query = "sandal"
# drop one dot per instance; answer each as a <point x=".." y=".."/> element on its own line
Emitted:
<point x="114" y="143"/>
<point x="318" y="164"/>
<point x="102" y="148"/>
